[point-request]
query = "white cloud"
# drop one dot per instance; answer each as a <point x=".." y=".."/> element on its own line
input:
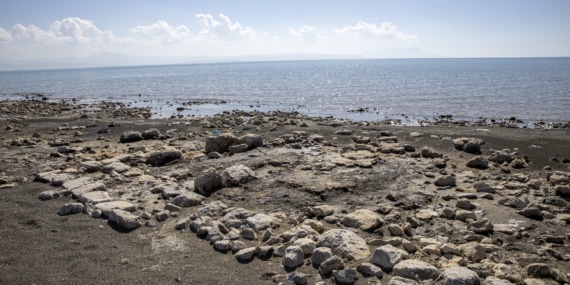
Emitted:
<point x="81" y="31"/>
<point x="222" y="28"/>
<point x="161" y="31"/>
<point x="365" y="30"/>
<point x="4" y="36"/>
<point x="306" y="34"/>
<point x="65" y="31"/>
<point x="31" y="33"/>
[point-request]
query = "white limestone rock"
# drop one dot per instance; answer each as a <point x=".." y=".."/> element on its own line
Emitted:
<point x="457" y="275"/>
<point x="415" y="269"/>
<point x="345" y="244"/>
<point x="124" y="219"/>
<point x="363" y="219"/>
<point x="387" y="256"/>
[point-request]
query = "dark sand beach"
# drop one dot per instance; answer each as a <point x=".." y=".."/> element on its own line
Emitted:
<point x="233" y="198"/>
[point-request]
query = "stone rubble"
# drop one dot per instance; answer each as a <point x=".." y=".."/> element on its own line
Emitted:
<point x="427" y="221"/>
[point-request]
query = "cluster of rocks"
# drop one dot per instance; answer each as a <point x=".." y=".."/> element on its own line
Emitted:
<point x="370" y="206"/>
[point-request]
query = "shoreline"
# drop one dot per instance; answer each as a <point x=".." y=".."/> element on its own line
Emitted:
<point x="233" y="196"/>
<point x="179" y="110"/>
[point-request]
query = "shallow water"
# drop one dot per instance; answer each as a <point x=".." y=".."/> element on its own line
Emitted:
<point x="530" y="89"/>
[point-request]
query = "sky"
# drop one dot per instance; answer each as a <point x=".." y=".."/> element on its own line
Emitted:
<point x="31" y="29"/>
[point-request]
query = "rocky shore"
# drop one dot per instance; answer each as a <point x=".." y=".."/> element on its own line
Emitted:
<point x="107" y="194"/>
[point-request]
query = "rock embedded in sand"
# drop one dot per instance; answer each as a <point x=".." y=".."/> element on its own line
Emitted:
<point x="397" y="280"/>
<point x="387" y="256"/>
<point x="457" y="275"/>
<point x="237" y="175"/>
<point x="220" y="143"/>
<point x="188" y="199"/>
<point x="321" y="254"/>
<point x="332" y="263"/>
<point x="321" y="211"/>
<point x="478" y="162"/>
<point x="428" y="152"/>
<point x="70" y="208"/>
<point x="445" y="181"/>
<point x="500" y="157"/>
<point x="492" y="280"/>
<point x="251" y="140"/>
<point x="107" y="207"/>
<point x="469" y="145"/>
<point x="94" y="197"/>
<point x="345" y="276"/>
<point x="415" y="269"/>
<point x="161" y="157"/>
<point x="131" y="136"/>
<point x="363" y="219"/>
<point x="151" y="134"/>
<point x="91" y="165"/>
<point x="208" y="182"/>
<point x="115" y="166"/>
<point x="95" y="186"/>
<point x="293" y="257"/>
<point x="124" y="219"/>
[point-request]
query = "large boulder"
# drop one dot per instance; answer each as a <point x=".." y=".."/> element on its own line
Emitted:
<point x="161" y="157"/>
<point x="220" y="143"/>
<point x="236" y="175"/>
<point x="345" y="244"/>
<point x="363" y="219"/>
<point x="208" y="182"/>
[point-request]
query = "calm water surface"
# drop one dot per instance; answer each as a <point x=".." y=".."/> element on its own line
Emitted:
<point x="531" y="89"/>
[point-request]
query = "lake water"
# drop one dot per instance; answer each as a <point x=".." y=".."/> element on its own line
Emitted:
<point x="530" y="89"/>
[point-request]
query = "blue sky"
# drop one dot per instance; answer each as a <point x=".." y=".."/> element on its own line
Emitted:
<point x="65" y="28"/>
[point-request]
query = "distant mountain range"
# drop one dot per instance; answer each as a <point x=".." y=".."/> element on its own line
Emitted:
<point x="115" y="59"/>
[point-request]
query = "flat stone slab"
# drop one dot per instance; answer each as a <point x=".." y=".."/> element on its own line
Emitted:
<point x="96" y="186"/>
<point x="71" y="184"/>
<point x="124" y="219"/>
<point x="95" y="197"/>
<point x="107" y="207"/>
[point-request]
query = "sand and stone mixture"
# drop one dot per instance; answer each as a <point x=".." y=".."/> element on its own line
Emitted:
<point x="102" y="194"/>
